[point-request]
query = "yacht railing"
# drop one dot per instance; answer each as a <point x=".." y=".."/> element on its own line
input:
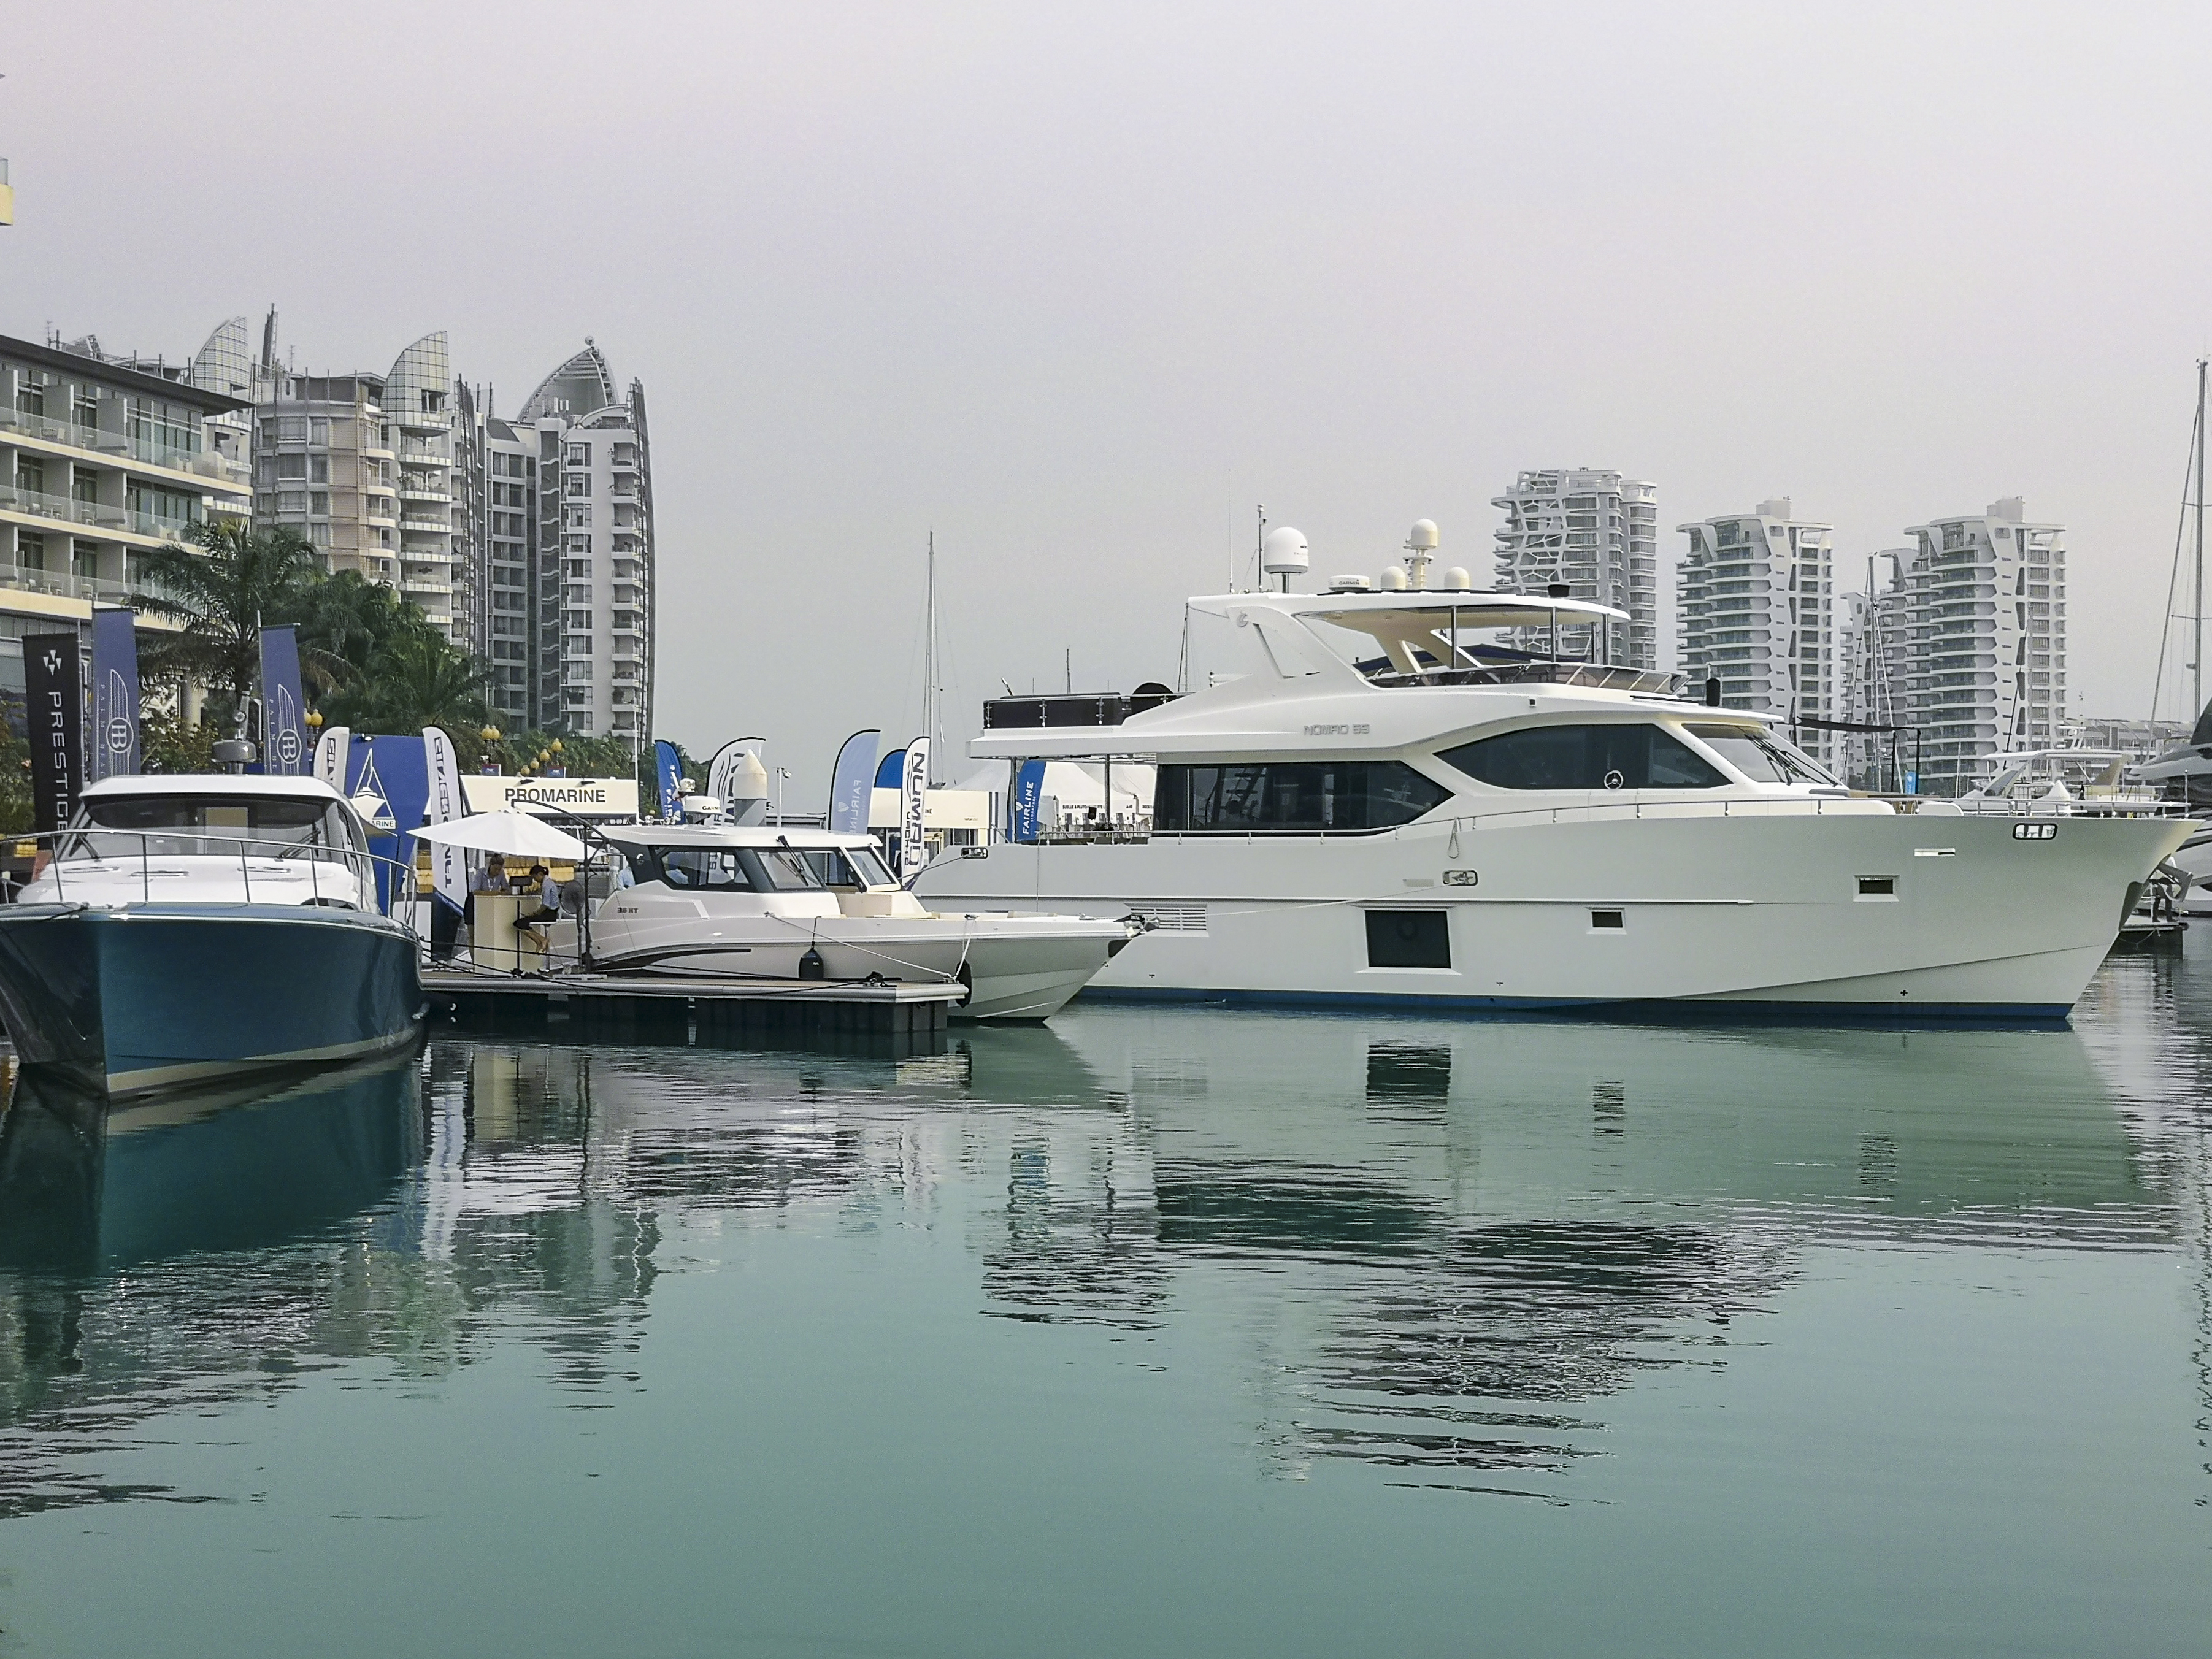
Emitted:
<point x="1538" y="672"/>
<point x="79" y="851"/>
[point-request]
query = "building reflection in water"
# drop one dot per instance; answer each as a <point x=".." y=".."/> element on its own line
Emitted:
<point x="1439" y="1248"/>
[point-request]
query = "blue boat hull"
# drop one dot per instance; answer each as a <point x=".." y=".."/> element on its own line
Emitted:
<point x="149" y="996"/>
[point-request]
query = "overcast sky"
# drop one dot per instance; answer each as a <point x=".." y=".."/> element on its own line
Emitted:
<point x="1076" y="289"/>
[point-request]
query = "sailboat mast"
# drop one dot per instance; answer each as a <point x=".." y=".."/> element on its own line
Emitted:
<point x="929" y="697"/>
<point x="2196" y="640"/>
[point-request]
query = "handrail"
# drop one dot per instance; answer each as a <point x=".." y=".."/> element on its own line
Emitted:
<point x="72" y="847"/>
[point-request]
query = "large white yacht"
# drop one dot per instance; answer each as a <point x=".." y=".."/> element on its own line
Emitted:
<point x="757" y="902"/>
<point x="1389" y="809"/>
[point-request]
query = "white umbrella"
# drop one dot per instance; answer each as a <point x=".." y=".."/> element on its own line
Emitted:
<point x="508" y="832"/>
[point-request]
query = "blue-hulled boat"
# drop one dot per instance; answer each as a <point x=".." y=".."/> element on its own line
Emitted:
<point x="188" y="929"/>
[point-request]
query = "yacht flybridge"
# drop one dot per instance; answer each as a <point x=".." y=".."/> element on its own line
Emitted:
<point x="1395" y="807"/>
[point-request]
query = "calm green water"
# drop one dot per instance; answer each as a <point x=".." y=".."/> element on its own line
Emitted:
<point x="1154" y="1332"/>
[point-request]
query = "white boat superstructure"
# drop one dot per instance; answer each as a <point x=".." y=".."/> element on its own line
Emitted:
<point x="213" y="840"/>
<point x="1389" y="809"/>
<point x="758" y="903"/>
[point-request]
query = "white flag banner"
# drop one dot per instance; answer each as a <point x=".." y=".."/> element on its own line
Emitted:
<point x="449" y="870"/>
<point x="913" y="787"/>
<point x="718" y="774"/>
<point x="333" y="755"/>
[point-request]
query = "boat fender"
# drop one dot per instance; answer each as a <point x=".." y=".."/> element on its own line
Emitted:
<point x="810" y="965"/>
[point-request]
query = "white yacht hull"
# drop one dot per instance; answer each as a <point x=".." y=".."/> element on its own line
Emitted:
<point x="1015" y="967"/>
<point x="1738" y="907"/>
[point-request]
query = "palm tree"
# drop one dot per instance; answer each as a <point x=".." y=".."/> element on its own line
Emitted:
<point x="347" y="619"/>
<point x="221" y="590"/>
<point x="418" y="679"/>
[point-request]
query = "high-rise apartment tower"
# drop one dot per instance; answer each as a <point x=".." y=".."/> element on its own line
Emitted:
<point x="1985" y="597"/>
<point x="1596" y="533"/>
<point x="1755" y="610"/>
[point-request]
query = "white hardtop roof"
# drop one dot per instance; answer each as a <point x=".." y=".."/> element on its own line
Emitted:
<point x="1424" y="608"/>
<point x="715" y="835"/>
<point x="246" y="786"/>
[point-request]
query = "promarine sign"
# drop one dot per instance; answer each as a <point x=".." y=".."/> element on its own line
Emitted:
<point x="587" y="797"/>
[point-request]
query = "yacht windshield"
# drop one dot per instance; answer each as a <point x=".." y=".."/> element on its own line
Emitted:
<point x="786" y="871"/>
<point x="847" y="867"/>
<point x="1759" y="755"/>
<point x="176" y="825"/>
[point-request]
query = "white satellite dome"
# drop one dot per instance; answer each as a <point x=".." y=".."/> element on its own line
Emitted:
<point x="1456" y="577"/>
<point x="1422" y="539"/>
<point x="1284" y="553"/>
<point x="1393" y="579"/>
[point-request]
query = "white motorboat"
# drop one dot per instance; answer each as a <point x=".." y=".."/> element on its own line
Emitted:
<point x="791" y="904"/>
<point x="1388" y="809"/>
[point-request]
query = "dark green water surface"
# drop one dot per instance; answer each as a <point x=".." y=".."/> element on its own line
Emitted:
<point x="1151" y="1332"/>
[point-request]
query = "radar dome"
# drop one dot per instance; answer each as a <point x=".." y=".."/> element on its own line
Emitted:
<point x="1394" y="578"/>
<point x="1456" y="577"/>
<point x="1423" y="537"/>
<point x="1284" y="553"/>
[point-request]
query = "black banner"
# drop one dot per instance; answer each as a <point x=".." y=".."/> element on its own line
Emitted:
<point x="54" y="720"/>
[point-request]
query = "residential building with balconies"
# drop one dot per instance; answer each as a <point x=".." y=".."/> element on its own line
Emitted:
<point x="515" y="584"/>
<point x="1986" y="601"/>
<point x="362" y="465"/>
<point x="1597" y="534"/>
<point x="1872" y="661"/>
<point x="595" y="498"/>
<point x="1755" y="610"/>
<point x="100" y="460"/>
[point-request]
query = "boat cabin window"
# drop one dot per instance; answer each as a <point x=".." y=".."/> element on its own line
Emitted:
<point x="186" y="825"/>
<point x="724" y="869"/>
<point x="784" y="870"/>
<point x="854" y="868"/>
<point x="1759" y="755"/>
<point x="1290" y="797"/>
<point x="1608" y="756"/>
<point x="693" y="869"/>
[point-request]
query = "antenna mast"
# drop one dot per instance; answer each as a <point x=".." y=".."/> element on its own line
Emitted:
<point x="932" y="693"/>
<point x="2197" y="639"/>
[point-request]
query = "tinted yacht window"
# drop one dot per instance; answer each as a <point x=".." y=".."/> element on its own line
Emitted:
<point x="1613" y="757"/>
<point x="1287" y="797"/>
<point x="1760" y="756"/>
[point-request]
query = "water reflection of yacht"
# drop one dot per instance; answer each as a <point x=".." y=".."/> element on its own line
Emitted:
<point x="1468" y="1235"/>
<point x="1417" y="816"/>
<point x="224" y="1168"/>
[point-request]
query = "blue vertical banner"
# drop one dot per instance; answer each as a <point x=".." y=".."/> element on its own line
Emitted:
<point x="851" y="782"/>
<point x="668" y="769"/>
<point x="1029" y="794"/>
<point x="116" y="746"/>
<point x="283" y="711"/>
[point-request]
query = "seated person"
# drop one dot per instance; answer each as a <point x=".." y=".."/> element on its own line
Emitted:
<point x="531" y="924"/>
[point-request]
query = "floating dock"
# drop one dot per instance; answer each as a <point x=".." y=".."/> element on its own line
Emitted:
<point x="672" y="1007"/>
